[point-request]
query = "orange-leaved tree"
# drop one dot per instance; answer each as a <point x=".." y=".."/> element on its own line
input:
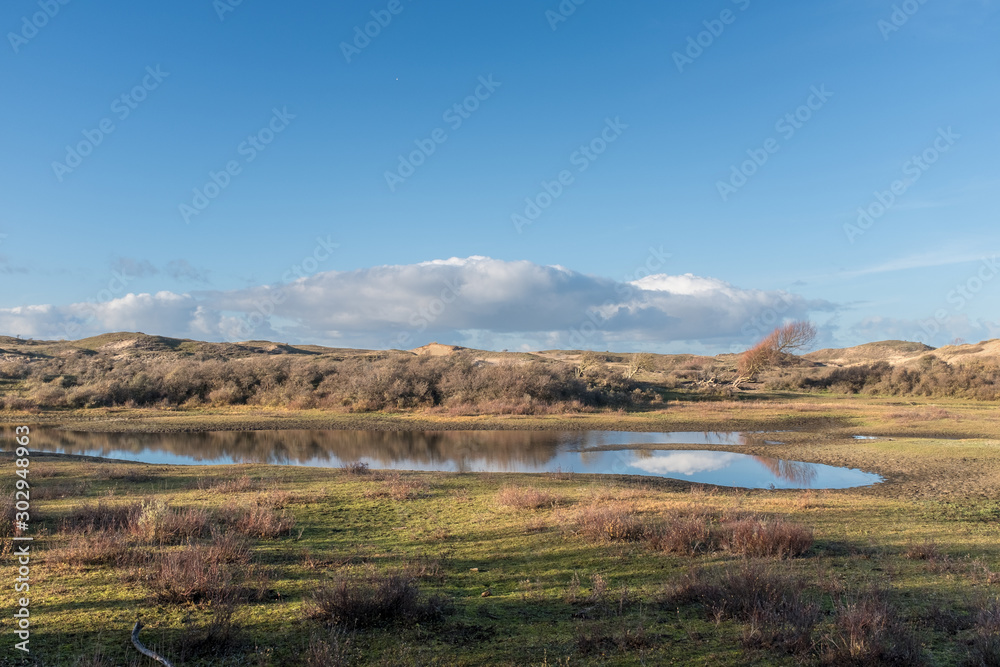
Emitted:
<point x="766" y="353"/>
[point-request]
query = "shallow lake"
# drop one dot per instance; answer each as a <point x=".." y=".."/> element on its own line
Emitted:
<point x="602" y="452"/>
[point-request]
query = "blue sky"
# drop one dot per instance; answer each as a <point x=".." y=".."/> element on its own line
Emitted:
<point x="104" y="243"/>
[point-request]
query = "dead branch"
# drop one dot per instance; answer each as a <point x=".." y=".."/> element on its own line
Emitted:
<point x="145" y="651"/>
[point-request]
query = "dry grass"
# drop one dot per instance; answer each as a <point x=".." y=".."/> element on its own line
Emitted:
<point x="397" y="487"/>
<point x="7" y="510"/>
<point x="59" y="491"/>
<point x="526" y="497"/>
<point x="123" y="472"/>
<point x="241" y="484"/>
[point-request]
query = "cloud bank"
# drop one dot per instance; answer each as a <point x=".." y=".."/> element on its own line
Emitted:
<point x="475" y="301"/>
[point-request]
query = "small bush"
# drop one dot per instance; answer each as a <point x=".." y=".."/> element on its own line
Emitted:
<point x="105" y="548"/>
<point x="690" y="534"/>
<point x="103" y="516"/>
<point x="612" y="522"/>
<point x="201" y="573"/>
<point x="159" y="523"/>
<point x="375" y="600"/>
<point x="926" y="551"/>
<point x="868" y="631"/>
<point x="984" y="650"/>
<point x="768" y="603"/>
<point x="759" y="537"/>
<point x="335" y="649"/>
<point x="259" y="521"/>
<point x="524" y="498"/>
<point x="355" y="468"/>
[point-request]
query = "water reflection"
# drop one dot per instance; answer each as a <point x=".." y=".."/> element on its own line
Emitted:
<point x="604" y="452"/>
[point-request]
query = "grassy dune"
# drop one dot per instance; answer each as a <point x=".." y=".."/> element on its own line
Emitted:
<point x="284" y="566"/>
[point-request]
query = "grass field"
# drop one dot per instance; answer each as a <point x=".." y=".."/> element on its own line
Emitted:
<point x="285" y="566"/>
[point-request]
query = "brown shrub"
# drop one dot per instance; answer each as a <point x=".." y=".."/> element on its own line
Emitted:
<point x="103" y="516"/>
<point x="759" y="537"/>
<point x="355" y="468"/>
<point x="686" y="534"/>
<point x="374" y="600"/>
<point x="927" y="551"/>
<point x="984" y="649"/>
<point x="259" y="521"/>
<point x="868" y="631"/>
<point x="525" y="497"/>
<point x="102" y="548"/>
<point x="201" y="573"/>
<point x="611" y="522"/>
<point x="334" y="649"/>
<point x="768" y="603"/>
<point x="159" y="523"/>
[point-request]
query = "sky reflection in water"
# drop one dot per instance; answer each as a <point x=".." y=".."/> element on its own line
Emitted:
<point x="470" y="451"/>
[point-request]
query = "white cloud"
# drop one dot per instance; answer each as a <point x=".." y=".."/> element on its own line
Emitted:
<point x="685" y="463"/>
<point x="517" y="303"/>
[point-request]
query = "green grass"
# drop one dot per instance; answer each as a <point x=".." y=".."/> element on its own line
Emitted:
<point x="929" y="535"/>
<point x="458" y="541"/>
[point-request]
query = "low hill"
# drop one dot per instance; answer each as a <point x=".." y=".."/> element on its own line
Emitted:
<point x="891" y="351"/>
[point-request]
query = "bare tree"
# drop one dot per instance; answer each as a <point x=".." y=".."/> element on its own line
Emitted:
<point x="765" y="354"/>
<point x="589" y="361"/>
<point x="640" y="361"/>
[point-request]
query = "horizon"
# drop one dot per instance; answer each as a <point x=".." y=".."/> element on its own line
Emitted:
<point x="803" y="352"/>
<point x="522" y="177"/>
